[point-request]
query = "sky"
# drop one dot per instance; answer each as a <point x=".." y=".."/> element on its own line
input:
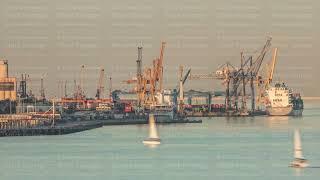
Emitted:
<point x="55" y="38"/>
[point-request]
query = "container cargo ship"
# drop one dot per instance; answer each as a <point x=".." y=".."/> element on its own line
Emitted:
<point x="282" y="102"/>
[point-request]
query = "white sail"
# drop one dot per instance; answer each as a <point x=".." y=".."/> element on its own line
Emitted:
<point x="297" y="145"/>
<point x="153" y="133"/>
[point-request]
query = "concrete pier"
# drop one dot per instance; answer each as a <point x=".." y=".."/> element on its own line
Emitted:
<point x="66" y="128"/>
<point x="145" y="121"/>
<point x="24" y="125"/>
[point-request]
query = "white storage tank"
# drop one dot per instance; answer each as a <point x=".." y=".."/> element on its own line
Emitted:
<point x="3" y="69"/>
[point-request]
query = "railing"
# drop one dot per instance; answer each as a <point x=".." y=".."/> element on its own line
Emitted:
<point x="22" y="121"/>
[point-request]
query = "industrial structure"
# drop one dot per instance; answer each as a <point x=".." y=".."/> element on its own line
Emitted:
<point x="248" y="81"/>
<point x="8" y="89"/>
<point x="243" y="83"/>
<point x="8" y="84"/>
<point x="247" y="90"/>
<point x="79" y="99"/>
<point x="100" y="87"/>
<point x="237" y="79"/>
<point x="149" y="81"/>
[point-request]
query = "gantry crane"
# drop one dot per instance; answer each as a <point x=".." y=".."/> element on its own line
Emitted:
<point x="225" y="73"/>
<point x="79" y="97"/>
<point x="233" y="77"/>
<point x="148" y="81"/>
<point x="264" y="83"/>
<point x="79" y="92"/>
<point x="249" y="72"/>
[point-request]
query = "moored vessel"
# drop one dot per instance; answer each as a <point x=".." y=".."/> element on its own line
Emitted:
<point x="282" y="102"/>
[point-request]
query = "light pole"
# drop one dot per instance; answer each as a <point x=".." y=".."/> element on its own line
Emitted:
<point x="10" y="107"/>
<point x="53" y="112"/>
<point x="19" y="103"/>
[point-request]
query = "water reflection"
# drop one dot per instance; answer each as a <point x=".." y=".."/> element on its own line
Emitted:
<point x="277" y="121"/>
<point x="240" y="120"/>
<point x="261" y="121"/>
<point x="297" y="171"/>
<point x="151" y="146"/>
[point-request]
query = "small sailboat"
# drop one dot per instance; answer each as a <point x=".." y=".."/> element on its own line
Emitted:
<point x="299" y="160"/>
<point x="153" y="138"/>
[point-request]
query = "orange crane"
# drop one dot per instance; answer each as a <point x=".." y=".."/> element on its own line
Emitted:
<point x="150" y="80"/>
<point x="159" y="67"/>
<point x="273" y="65"/>
<point x="264" y="83"/>
<point x="154" y="78"/>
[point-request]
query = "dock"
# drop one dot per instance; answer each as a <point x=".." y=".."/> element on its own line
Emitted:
<point x="145" y="121"/>
<point x="13" y="125"/>
<point x="61" y="129"/>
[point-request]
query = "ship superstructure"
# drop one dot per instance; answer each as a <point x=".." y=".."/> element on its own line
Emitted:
<point x="281" y="101"/>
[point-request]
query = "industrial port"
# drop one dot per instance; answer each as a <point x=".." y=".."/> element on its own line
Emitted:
<point x="247" y="91"/>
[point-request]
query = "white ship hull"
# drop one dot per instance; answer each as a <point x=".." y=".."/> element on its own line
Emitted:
<point x="283" y="111"/>
<point x="281" y="101"/>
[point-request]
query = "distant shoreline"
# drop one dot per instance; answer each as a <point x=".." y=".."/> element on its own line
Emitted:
<point x="310" y="98"/>
<point x="303" y="97"/>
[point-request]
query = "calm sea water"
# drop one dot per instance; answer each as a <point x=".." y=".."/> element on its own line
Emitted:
<point x="220" y="148"/>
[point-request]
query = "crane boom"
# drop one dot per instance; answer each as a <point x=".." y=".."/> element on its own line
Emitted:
<point x="253" y="69"/>
<point x="160" y="66"/>
<point x="274" y="61"/>
<point x="186" y="76"/>
<point x="184" y="79"/>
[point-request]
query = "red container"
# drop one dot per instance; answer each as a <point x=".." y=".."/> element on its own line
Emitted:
<point x="128" y="108"/>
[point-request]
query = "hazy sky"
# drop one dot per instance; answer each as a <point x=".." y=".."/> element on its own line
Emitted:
<point x="56" y="37"/>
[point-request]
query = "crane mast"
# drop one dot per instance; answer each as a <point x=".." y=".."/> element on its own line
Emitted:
<point x="149" y="80"/>
<point x="81" y="86"/>
<point x="42" y="90"/>
<point x="100" y="87"/>
<point x="160" y="67"/>
<point x="181" y="91"/>
<point x="139" y="78"/>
